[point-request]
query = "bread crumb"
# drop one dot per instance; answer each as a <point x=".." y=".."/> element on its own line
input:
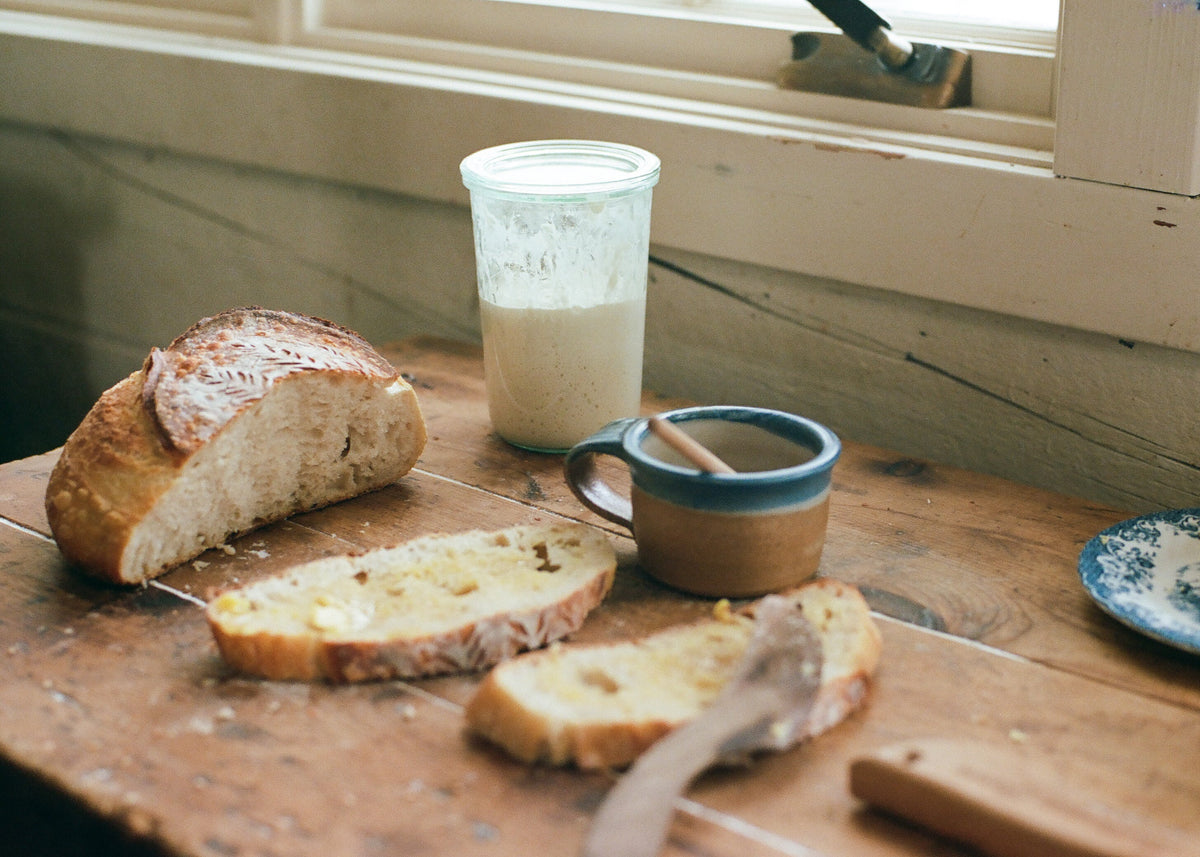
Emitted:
<point x="484" y="832"/>
<point x="229" y="550"/>
<point x="1017" y="736"/>
<point x="139" y="820"/>
<point x="97" y="775"/>
<point x="781" y="731"/>
<point x="722" y="612"/>
<point x="408" y="711"/>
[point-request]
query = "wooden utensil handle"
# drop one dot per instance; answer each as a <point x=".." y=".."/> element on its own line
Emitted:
<point x="687" y="446"/>
<point x="634" y="819"/>
<point x="1003" y="803"/>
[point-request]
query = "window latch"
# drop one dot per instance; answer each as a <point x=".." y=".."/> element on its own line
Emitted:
<point x="873" y="62"/>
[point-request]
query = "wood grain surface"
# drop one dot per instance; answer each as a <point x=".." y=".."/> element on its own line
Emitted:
<point x="121" y="720"/>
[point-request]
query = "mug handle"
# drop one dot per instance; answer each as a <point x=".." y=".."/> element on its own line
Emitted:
<point x="585" y="482"/>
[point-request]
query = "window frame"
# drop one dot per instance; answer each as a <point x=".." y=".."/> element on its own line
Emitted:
<point x="1130" y="114"/>
<point x="848" y="199"/>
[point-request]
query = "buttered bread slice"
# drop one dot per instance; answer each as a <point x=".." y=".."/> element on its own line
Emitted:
<point x="602" y="705"/>
<point x="437" y="604"/>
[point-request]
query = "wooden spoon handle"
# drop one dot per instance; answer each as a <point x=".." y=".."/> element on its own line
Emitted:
<point x="687" y="446"/>
<point x="1004" y="803"/>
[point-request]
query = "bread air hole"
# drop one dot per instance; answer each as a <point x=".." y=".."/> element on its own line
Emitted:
<point x="460" y="586"/>
<point x="596" y="677"/>
<point x="543" y="553"/>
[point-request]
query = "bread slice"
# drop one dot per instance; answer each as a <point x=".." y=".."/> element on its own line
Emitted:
<point x="437" y="604"/>
<point x="246" y="418"/>
<point x="602" y="705"/>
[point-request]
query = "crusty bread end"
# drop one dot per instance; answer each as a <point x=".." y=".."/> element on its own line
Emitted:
<point x="248" y="417"/>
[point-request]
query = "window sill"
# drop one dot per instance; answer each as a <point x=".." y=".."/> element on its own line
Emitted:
<point x="987" y="226"/>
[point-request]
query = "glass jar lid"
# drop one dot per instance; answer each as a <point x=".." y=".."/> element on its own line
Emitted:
<point x="570" y="169"/>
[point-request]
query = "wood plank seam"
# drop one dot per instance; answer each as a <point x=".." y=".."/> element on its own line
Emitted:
<point x="738" y="827"/>
<point x="186" y="596"/>
<point x="21" y="528"/>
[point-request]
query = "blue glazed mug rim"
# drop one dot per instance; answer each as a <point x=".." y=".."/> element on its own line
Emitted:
<point x="825" y="445"/>
<point x="742" y="492"/>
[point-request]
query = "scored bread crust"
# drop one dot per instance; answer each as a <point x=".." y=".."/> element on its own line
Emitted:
<point x="509" y="711"/>
<point x="267" y="629"/>
<point x="224" y="364"/>
<point x="146" y="431"/>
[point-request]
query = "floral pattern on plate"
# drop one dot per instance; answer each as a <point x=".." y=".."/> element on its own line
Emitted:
<point x="1145" y="572"/>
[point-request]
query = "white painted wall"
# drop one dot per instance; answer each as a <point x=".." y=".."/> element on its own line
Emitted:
<point x="107" y="249"/>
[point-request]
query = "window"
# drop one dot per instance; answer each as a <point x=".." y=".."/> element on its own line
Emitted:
<point x="389" y="93"/>
<point x="722" y="53"/>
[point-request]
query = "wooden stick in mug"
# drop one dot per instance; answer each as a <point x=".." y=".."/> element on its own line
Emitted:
<point x="688" y="447"/>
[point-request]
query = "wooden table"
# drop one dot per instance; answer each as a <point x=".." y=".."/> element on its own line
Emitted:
<point x="119" y="720"/>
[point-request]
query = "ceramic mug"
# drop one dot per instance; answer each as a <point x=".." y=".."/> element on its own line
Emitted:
<point x="758" y="530"/>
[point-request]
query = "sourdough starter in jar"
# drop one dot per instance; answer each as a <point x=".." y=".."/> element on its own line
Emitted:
<point x="554" y="376"/>
<point x="562" y="242"/>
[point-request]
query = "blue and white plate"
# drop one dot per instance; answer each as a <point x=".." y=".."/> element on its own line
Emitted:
<point x="1145" y="572"/>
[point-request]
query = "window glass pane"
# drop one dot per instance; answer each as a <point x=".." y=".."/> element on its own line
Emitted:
<point x="231" y="17"/>
<point x="1014" y="14"/>
<point x="119" y="8"/>
<point x="719" y="52"/>
<point x="1030" y="22"/>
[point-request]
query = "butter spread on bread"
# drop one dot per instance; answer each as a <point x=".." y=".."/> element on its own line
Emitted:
<point x="436" y="604"/>
<point x="601" y="705"/>
<point x="248" y="417"/>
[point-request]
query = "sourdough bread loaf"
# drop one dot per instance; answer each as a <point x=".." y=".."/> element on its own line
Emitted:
<point x="602" y="705"/>
<point x="248" y="417"/>
<point x="437" y="604"/>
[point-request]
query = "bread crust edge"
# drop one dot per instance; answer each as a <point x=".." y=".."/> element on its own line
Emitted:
<point x="111" y="471"/>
